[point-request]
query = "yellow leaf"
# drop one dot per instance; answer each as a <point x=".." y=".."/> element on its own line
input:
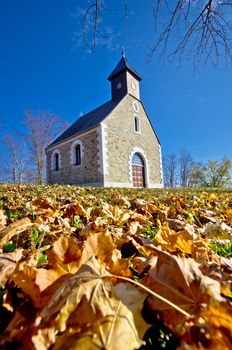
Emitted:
<point x="111" y="323"/>
<point x="100" y="245"/>
<point x="133" y="299"/>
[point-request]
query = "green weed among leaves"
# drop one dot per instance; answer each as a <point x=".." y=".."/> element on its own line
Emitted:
<point x="42" y="259"/>
<point x="222" y="249"/>
<point x="150" y="233"/>
<point x="76" y="221"/>
<point x="13" y="215"/>
<point x="35" y="235"/>
<point x="9" y="247"/>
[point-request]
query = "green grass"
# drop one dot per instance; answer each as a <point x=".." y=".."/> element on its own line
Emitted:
<point x="221" y="249"/>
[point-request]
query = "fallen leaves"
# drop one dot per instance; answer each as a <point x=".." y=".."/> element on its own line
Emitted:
<point x="13" y="229"/>
<point x="86" y="268"/>
<point x="8" y="263"/>
<point x="86" y="293"/>
<point x="180" y="281"/>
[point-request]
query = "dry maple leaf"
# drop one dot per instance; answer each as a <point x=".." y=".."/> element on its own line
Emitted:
<point x="2" y="219"/>
<point x="174" y="241"/>
<point x="8" y="263"/>
<point x="115" y="213"/>
<point x="14" y="229"/>
<point x="88" y="296"/>
<point x="99" y="225"/>
<point x="211" y="328"/>
<point x="63" y="259"/>
<point x="100" y="245"/>
<point x="75" y="208"/>
<point x="221" y="230"/>
<point x="180" y="281"/>
<point x="65" y="255"/>
<point x="133" y="298"/>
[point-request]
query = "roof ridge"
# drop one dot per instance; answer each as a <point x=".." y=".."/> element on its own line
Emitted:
<point x="87" y="121"/>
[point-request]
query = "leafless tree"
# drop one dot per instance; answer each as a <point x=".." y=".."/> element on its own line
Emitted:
<point x="185" y="167"/>
<point x="201" y="27"/>
<point x="170" y="170"/>
<point x="42" y="127"/>
<point x="13" y="161"/>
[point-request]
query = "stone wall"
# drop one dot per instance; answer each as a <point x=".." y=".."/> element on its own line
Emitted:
<point x="88" y="173"/>
<point x="121" y="141"/>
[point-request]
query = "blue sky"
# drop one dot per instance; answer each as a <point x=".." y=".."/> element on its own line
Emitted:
<point x="44" y="65"/>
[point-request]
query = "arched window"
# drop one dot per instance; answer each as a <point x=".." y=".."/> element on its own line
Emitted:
<point x="57" y="165"/>
<point x="77" y="154"/>
<point x="55" y="160"/>
<point x="138" y="175"/>
<point x="136" y="106"/>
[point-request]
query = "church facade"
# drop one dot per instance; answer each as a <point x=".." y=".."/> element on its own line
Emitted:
<point x="114" y="145"/>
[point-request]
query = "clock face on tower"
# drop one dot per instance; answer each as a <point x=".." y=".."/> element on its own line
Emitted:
<point x="133" y="85"/>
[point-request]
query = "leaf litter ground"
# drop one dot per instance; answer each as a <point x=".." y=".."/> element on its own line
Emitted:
<point x="93" y="268"/>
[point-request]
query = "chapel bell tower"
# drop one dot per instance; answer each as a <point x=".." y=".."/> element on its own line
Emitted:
<point x="124" y="80"/>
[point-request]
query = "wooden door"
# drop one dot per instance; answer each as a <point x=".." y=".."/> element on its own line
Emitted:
<point x="138" y="171"/>
<point x="138" y="176"/>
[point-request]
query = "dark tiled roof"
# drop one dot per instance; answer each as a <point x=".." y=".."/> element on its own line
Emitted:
<point x="88" y="121"/>
<point x="121" y="66"/>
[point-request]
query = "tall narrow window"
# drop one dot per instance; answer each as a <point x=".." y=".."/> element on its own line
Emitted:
<point x="77" y="155"/>
<point x="57" y="162"/>
<point x="137" y="126"/>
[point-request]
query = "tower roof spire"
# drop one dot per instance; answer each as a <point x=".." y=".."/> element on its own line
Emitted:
<point x="123" y="65"/>
<point x="123" y="52"/>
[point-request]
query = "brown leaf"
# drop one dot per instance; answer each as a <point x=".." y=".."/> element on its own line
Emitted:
<point x="75" y="208"/>
<point x="2" y="219"/>
<point x="180" y="281"/>
<point x="65" y="255"/>
<point x="174" y="241"/>
<point x="63" y="259"/>
<point x="31" y="280"/>
<point x="100" y="245"/>
<point x="43" y="203"/>
<point x="14" y="229"/>
<point x="7" y="264"/>
<point x="112" y="324"/>
<point x="211" y="329"/>
<point x="99" y="225"/>
<point x="226" y="264"/>
<point x="221" y="230"/>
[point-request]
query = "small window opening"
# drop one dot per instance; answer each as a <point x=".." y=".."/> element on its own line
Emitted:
<point x="137" y="127"/>
<point x="57" y="165"/>
<point x="77" y="155"/>
<point x="136" y="106"/>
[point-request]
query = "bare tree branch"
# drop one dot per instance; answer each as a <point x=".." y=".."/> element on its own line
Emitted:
<point x="42" y="127"/>
<point x="200" y="27"/>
